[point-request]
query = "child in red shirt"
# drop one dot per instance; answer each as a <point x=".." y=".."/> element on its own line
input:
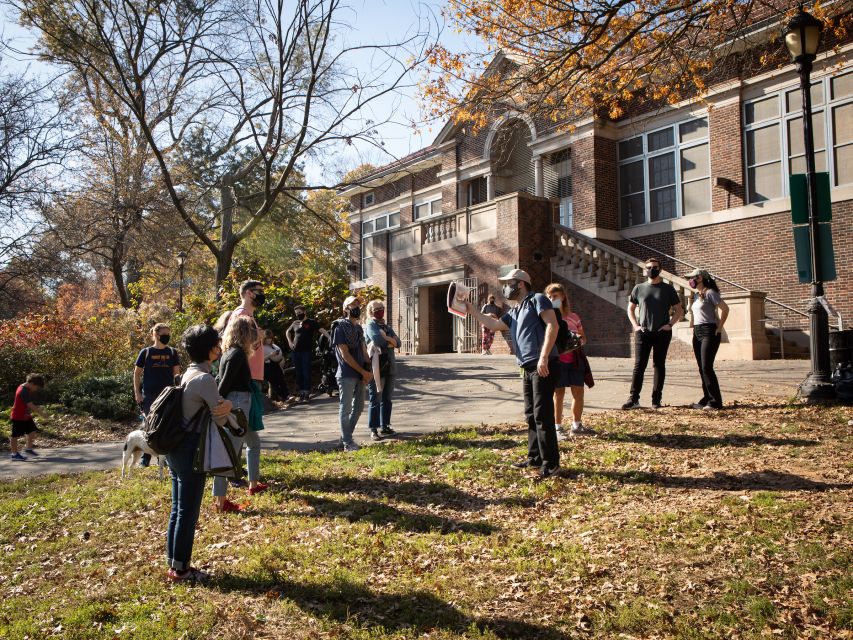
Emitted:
<point x="22" y="416"/>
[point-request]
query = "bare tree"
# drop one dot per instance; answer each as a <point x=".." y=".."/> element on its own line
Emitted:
<point x="265" y="83"/>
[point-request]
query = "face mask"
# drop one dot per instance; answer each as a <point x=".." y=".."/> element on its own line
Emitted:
<point x="300" y="315"/>
<point x="510" y="291"/>
<point x="654" y="272"/>
<point x="557" y="303"/>
<point x="379" y="314"/>
<point x="260" y="298"/>
<point x="355" y="312"/>
<point x="165" y="338"/>
<point x="692" y="282"/>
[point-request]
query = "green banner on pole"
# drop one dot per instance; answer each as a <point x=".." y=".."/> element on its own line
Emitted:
<point x="825" y="252"/>
<point x="799" y="198"/>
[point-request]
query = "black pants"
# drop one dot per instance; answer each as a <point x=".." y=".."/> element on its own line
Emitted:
<point x="275" y="376"/>
<point x="542" y="449"/>
<point x="706" y="343"/>
<point x="648" y="342"/>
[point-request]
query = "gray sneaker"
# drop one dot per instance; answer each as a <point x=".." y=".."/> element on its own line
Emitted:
<point x="350" y="446"/>
<point x="581" y="430"/>
<point x="630" y="405"/>
<point x="374" y="435"/>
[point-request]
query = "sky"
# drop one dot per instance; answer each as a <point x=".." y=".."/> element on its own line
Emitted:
<point x="370" y="22"/>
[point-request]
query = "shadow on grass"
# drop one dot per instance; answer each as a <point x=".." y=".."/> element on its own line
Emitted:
<point x="418" y="493"/>
<point x="767" y="480"/>
<point x="415" y="612"/>
<point x="689" y="441"/>
<point x="380" y="514"/>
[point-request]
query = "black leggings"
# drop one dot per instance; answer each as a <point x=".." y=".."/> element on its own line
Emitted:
<point x="706" y="343"/>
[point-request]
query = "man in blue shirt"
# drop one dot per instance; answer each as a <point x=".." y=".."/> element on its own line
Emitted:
<point x="353" y="375"/>
<point x="533" y="328"/>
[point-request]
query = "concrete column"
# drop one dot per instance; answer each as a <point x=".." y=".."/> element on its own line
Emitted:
<point x="490" y="187"/>
<point x="538" y="177"/>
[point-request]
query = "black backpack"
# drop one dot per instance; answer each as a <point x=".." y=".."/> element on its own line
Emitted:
<point x="567" y="340"/>
<point x="164" y="429"/>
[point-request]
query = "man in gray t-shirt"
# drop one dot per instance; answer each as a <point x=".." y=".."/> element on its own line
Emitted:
<point x="656" y="300"/>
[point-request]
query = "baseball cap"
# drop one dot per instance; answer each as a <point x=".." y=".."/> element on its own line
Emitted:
<point x="699" y="272"/>
<point x="516" y="274"/>
<point x="348" y="301"/>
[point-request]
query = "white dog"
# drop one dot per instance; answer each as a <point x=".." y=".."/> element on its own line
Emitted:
<point x="134" y="447"/>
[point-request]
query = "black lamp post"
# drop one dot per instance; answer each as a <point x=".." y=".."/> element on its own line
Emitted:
<point x="182" y="258"/>
<point x="802" y="37"/>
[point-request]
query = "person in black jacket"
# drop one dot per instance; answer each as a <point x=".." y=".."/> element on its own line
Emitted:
<point x="235" y="385"/>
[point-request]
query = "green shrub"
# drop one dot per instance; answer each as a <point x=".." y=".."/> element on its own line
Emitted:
<point x="109" y="397"/>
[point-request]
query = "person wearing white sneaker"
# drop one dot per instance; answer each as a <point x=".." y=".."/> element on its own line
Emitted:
<point x="707" y="334"/>
<point x="572" y="368"/>
<point x="22" y="416"/>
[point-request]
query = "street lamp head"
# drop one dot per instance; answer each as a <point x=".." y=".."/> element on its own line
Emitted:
<point x="802" y="36"/>
<point x="182" y="256"/>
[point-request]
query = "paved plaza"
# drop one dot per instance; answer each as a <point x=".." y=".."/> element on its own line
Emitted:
<point x="439" y="391"/>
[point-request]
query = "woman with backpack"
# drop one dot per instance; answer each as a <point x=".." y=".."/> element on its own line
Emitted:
<point x="379" y="334"/>
<point x="235" y="385"/>
<point x="199" y="397"/>
<point x="572" y="366"/>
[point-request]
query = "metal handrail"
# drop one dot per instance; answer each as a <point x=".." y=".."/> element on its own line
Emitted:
<point x="717" y="277"/>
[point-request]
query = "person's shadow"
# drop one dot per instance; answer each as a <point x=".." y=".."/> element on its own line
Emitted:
<point x="413" y="612"/>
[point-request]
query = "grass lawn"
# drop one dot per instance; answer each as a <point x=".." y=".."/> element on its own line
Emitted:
<point x="668" y="524"/>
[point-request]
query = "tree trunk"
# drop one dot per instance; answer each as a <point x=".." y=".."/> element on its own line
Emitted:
<point x="227" y="241"/>
<point x="116" y="267"/>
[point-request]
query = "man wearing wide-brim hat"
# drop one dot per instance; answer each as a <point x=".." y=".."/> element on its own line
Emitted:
<point x="533" y="327"/>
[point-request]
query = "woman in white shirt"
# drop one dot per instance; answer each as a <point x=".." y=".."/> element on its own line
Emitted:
<point x="707" y="334"/>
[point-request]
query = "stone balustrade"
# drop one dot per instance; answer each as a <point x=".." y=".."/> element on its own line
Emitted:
<point x="607" y="265"/>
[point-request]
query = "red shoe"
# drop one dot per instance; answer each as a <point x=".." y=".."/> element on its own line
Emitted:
<point x="229" y="507"/>
<point x="261" y="486"/>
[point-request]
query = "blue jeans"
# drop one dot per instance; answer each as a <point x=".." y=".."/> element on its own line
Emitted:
<point x="379" y="406"/>
<point x="302" y="365"/>
<point x="243" y="400"/>
<point x="352" y="404"/>
<point x="187" y="492"/>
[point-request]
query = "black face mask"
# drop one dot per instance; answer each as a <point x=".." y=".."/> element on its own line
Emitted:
<point x="511" y="291"/>
<point x="355" y="312"/>
<point x="165" y="338"/>
<point x="654" y="272"/>
<point x="260" y="298"/>
<point x="300" y="316"/>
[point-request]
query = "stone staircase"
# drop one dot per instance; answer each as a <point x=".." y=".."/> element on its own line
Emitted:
<point x="610" y="274"/>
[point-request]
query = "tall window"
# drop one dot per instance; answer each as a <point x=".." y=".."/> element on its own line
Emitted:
<point x="366" y="257"/>
<point x="369" y="228"/>
<point x="773" y="136"/>
<point x="475" y="191"/>
<point x="665" y="174"/>
<point x="562" y="186"/>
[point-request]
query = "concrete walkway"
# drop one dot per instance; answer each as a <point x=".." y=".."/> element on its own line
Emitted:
<point x="438" y="391"/>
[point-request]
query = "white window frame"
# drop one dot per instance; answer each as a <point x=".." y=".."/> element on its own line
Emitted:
<point x="386" y="216"/>
<point x="676" y="149"/>
<point x="428" y="201"/>
<point x="369" y="199"/>
<point x="782" y="121"/>
<point x="559" y="162"/>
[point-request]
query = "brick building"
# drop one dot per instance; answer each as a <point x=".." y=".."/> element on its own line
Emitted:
<point x="700" y="183"/>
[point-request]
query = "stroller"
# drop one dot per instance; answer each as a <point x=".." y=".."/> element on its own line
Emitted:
<point x="328" y="366"/>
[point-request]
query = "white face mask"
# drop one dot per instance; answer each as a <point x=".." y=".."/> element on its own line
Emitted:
<point x="557" y="302"/>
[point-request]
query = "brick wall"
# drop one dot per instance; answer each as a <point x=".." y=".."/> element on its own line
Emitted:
<point x="726" y="141"/>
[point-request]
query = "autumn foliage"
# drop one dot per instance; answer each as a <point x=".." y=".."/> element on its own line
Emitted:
<point x="568" y="60"/>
